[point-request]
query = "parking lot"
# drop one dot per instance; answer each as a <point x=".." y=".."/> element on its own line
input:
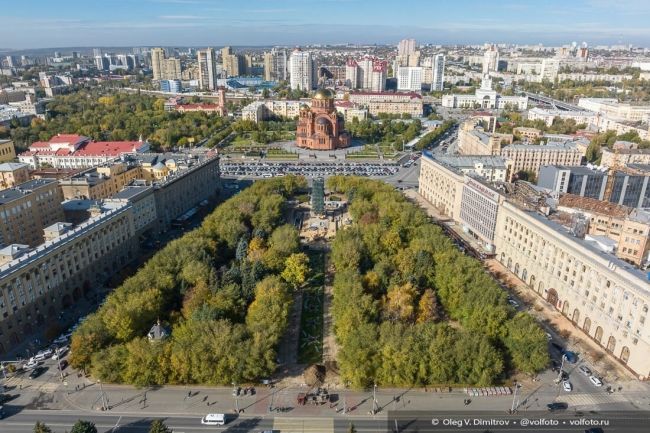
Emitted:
<point x="266" y="169"/>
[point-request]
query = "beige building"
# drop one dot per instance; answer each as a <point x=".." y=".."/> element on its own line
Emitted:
<point x="37" y="285"/>
<point x="389" y="102"/>
<point x="232" y="64"/>
<point x="7" y="151"/>
<point x="13" y="173"/>
<point x="28" y="208"/>
<point x="164" y="68"/>
<point x="531" y="157"/>
<point x="100" y="182"/>
<point x="604" y="297"/>
<point x="527" y="134"/>
<point x="264" y="110"/>
<point x="621" y="157"/>
<point x="442" y="186"/>
<point x="474" y="139"/>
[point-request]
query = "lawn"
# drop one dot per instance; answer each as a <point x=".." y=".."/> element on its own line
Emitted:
<point x="310" y="344"/>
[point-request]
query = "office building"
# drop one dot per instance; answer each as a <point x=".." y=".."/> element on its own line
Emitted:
<point x="627" y="187"/>
<point x="27" y="208"/>
<point x="275" y="65"/>
<point x="301" y="70"/>
<point x="409" y="79"/>
<point x="171" y="86"/>
<point x="13" y="173"/>
<point x="37" y="285"/>
<point x="319" y="126"/>
<point x="7" y="151"/>
<point x="207" y="69"/>
<point x="389" y="102"/>
<point x="531" y="157"/>
<point x="486" y="98"/>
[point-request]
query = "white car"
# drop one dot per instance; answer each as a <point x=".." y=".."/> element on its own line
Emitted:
<point x="214" y="419"/>
<point x="60" y="353"/>
<point x="31" y="364"/>
<point x="596" y="381"/>
<point x="566" y="385"/>
<point x="43" y="354"/>
<point x="584" y="370"/>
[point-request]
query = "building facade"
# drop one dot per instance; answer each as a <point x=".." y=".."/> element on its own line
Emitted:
<point x="7" y="151"/>
<point x="530" y="157"/>
<point x="13" y="173"/>
<point x="100" y="182"/>
<point x="28" y="208"/>
<point x="604" y="297"/>
<point x="207" y="69"/>
<point x="485" y="98"/>
<point x="389" y="102"/>
<point x="275" y="65"/>
<point x="37" y="285"/>
<point x="409" y="78"/>
<point x="301" y="71"/>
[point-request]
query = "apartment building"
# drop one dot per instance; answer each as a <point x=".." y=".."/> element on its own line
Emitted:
<point x="7" y="151"/>
<point x="474" y="139"/>
<point x="13" y="173"/>
<point x="604" y="297"/>
<point x="441" y="185"/>
<point x="26" y="209"/>
<point x="37" y="284"/>
<point x="265" y="110"/>
<point x="547" y="116"/>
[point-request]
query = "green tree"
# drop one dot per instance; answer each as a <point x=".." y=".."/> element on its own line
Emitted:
<point x="83" y="427"/>
<point x="158" y="426"/>
<point x="296" y="269"/>
<point x="41" y="427"/>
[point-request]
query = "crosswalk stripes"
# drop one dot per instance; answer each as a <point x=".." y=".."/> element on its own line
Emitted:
<point x="592" y="399"/>
<point x="303" y="425"/>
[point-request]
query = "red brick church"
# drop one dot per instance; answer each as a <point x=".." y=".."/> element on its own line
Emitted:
<point x="319" y="127"/>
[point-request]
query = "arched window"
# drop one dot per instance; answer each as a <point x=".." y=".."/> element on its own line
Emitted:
<point x="576" y="316"/>
<point x="625" y="354"/>
<point x="611" y="344"/>
<point x="599" y="334"/>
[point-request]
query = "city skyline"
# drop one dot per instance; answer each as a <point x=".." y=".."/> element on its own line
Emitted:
<point x="293" y="22"/>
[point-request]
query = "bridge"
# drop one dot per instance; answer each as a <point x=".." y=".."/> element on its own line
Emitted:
<point x="558" y="105"/>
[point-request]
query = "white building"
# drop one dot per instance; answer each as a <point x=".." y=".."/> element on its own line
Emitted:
<point x="265" y="110"/>
<point x="547" y="116"/>
<point x="613" y="109"/>
<point x="369" y="73"/>
<point x="485" y="98"/>
<point x="438" y="75"/>
<point x="275" y="65"/>
<point x="301" y="70"/>
<point x="491" y="60"/>
<point x="409" y="78"/>
<point x="550" y="69"/>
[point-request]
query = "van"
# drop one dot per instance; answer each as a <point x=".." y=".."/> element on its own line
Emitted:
<point x="214" y="419"/>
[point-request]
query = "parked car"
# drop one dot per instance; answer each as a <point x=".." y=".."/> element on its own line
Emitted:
<point x="60" y="353"/>
<point x="584" y="370"/>
<point x="31" y="364"/>
<point x="63" y="364"/>
<point x="37" y="372"/>
<point x="513" y="303"/>
<point x="595" y="380"/>
<point x="557" y="406"/>
<point x="43" y="354"/>
<point x="566" y="385"/>
<point x="571" y="357"/>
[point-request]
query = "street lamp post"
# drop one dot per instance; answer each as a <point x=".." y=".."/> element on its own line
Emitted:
<point x="235" y="394"/>
<point x="515" y="402"/>
<point x="559" y="374"/>
<point x="374" y="398"/>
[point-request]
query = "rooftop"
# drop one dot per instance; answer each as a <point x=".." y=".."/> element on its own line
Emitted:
<point x="130" y="192"/>
<point x="19" y="191"/>
<point x="11" y="166"/>
<point x="470" y="161"/>
<point x="594" y="205"/>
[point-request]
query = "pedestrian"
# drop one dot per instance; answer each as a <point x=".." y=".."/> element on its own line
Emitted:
<point x="189" y="394"/>
<point x="205" y="398"/>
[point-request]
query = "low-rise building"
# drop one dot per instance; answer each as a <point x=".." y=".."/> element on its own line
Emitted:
<point x="268" y="109"/>
<point x="612" y="108"/>
<point x="100" y="182"/>
<point x="548" y="116"/>
<point x="527" y="134"/>
<point x="475" y="139"/>
<point x="389" y="102"/>
<point x="26" y="209"/>
<point x="76" y="151"/>
<point x="530" y="157"/>
<point x="13" y="173"/>
<point x="485" y="98"/>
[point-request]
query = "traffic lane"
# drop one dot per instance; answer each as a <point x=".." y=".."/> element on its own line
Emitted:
<point x="63" y="421"/>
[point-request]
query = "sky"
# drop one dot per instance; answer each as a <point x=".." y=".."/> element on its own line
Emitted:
<point x="65" y="23"/>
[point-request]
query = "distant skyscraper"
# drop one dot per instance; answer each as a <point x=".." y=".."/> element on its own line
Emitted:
<point x="438" y="72"/>
<point x="275" y="65"/>
<point x="406" y="47"/>
<point x="75" y="54"/>
<point x="409" y="78"/>
<point x="368" y="73"/>
<point x="57" y="55"/>
<point x="97" y="52"/>
<point x="233" y="64"/>
<point x="207" y="69"/>
<point x="12" y="61"/>
<point x="157" y="65"/>
<point x="301" y="70"/>
<point x="103" y="63"/>
<point x="491" y="60"/>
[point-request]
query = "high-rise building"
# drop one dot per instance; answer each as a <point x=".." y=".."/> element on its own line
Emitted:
<point x="301" y="70"/>
<point x="406" y="47"/>
<point x="97" y="52"/>
<point x="275" y="65"/>
<point x="171" y="69"/>
<point x="233" y="64"/>
<point x="103" y="63"/>
<point x="491" y="60"/>
<point x="550" y="69"/>
<point x="207" y="69"/>
<point x="409" y="78"/>
<point x="368" y="73"/>
<point x="438" y="76"/>
<point x="157" y="59"/>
